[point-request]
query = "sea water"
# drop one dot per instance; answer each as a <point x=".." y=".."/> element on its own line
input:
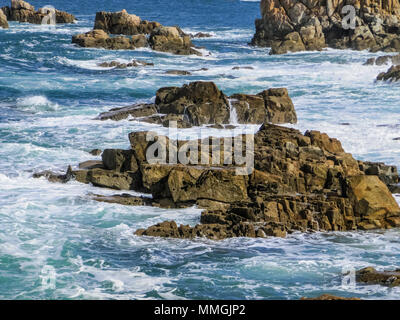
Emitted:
<point x="57" y="243"/>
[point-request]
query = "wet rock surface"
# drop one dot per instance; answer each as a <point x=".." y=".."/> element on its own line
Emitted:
<point x="134" y="33"/>
<point x="22" y="11"/>
<point x="200" y="103"/>
<point x="120" y="65"/>
<point x="392" y="75"/>
<point x="291" y="26"/>
<point x="370" y="275"/>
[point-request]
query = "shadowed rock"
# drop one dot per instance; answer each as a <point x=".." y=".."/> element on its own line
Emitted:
<point x="200" y="103"/>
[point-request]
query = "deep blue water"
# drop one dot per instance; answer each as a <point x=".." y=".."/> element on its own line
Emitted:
<point x="51" y="90"/>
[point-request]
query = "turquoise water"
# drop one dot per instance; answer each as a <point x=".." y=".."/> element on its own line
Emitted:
<point x="49" y="93"/>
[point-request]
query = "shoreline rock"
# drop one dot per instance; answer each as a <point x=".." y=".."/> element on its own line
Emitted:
<point x="299" y="183"/>
<point x="370" y="276"/>
<point x="134" y="33"/>
<point x="292" y="26"/>
<point x="202" y="103"/>
<point x="22" y="11"/>
<point x="392" y="75"/>
<point x="119" y="65"/>
<point x="3" y="20"/>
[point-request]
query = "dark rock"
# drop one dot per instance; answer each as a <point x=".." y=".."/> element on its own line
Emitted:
<point x="116" y="64"/>
<point x="201" y="35"/>
<point x="54" y="177"/>
<point x="95" y="152"/>
<point x="123" y="199"/>
<point x="392" y="75"/>
<point x="135" y="111"/>
<point x="91" y="164"/>
<point x="178" y="72"/>
<point x="370" y="275"/>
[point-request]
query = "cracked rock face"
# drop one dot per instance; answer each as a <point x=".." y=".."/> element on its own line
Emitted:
<point x="299" y="25"/>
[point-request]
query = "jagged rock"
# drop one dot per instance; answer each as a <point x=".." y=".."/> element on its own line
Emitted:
<point x="388" y="174"/>
<point x="370" y="275"/>
<point x="178" y="72"/>
<point x="54" y="177"/>
<point x="169" y="39"/>
<point x="298" y="183"/>
<point x="119" y="65"/>
<point x="124" y="199"/>
<point x="382" y="60"/>
<point x="99" y="39"/>
<point x="24" y="12"/>
<point x="200" y="103"/>
<point x="392" y="75"/>
<point x="3" y="20"/>
<point x="142" y="34"/>
<point x="123" y="23"/>
<point x="201" y="35"/>
<point x="95" y="152"/>
<point x="313" y="25"/>
<point x="135" y="111"/>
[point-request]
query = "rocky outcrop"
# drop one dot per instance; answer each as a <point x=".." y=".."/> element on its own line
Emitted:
<point x="120" y="65"/>
<point x="141" y="33"/>
<point x="370" y="275"/>
<point x="22" y="11"/>
<point x="3" y="20"/>
<point x="200" y="103"/>
<point x="291" y="26"/>
<point x="392" y="75"/>
<point x="100" y="39"/>
<point x="298" y="183"/>
<point x="382" y="60"/>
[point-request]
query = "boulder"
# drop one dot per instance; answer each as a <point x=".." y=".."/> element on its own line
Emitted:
<point x="142" y="34"/>
<point x="123" y="199"/>
<point x="392" y="75"/>
<point x="370" y="275"/>
<point x="291" y="26"/>
<point x="99" y="39"/>
<point x="135" y="111"/>
<point x="170" y="39"/>
<point x="3" y="20"/>
<point x="372" y="202"/>
<point x="22" y="11"/>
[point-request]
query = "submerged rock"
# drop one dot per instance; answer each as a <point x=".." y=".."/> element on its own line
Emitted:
<point x="119" y="65"/>
<point x="291" y="26"/>
<point x="370" y="275"/>
<point x="200" y="103"/>
<point x="178" y="72"/>
<point x="141" y="34"/>
<point x="329" y="297"/>
<point x="24" y="12"/>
